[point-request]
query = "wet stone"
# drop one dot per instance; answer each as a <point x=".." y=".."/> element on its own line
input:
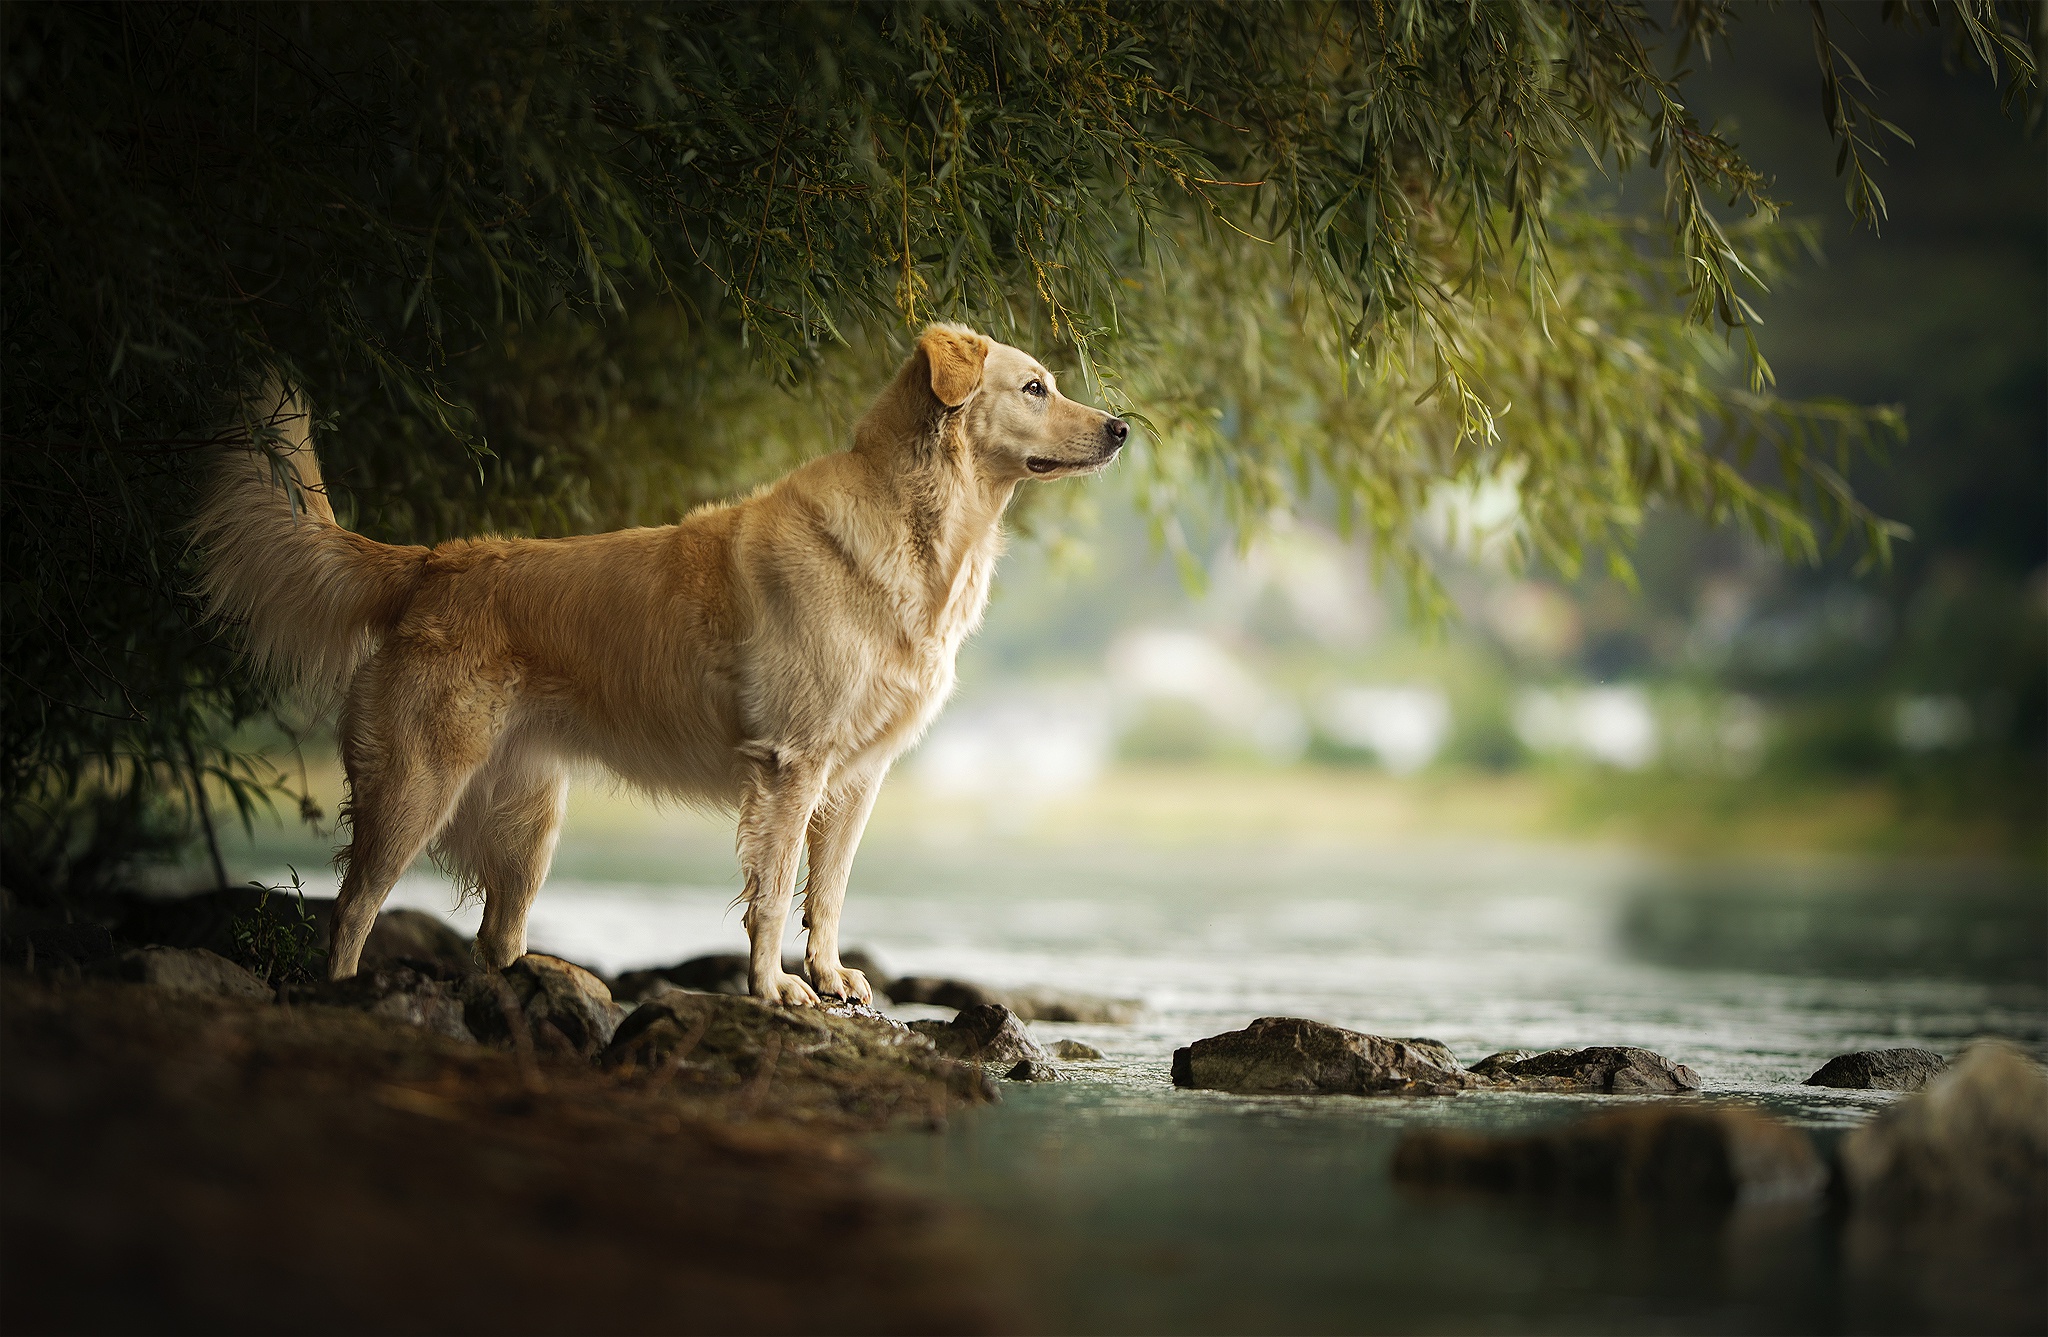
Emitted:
<point x="1616" y="1070"/>
<point x="562" y="1007"/>
<point x="853" y="1054"/>
<point x="189" y="970"/>
<point x="1293" y="1056"/>
<point x="988" y="1034"/>
<point x="1074" y="1051"/>
<point x="1880" y="1070"/>
<point x="1718" y="1155"/>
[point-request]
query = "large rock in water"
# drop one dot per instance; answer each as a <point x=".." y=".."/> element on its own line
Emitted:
<point x="1948" y="1201"/>
<point x="1714" y="1155"/>
<point x="1028" y="1004"/>
<point x="862" y="1061"/>
<point x="988" y="1034"/>
<point x="1880" y="1070"/>
<point x="563" y="1007"/>
<point x="189" y="970"/>
<point x="1290" y="1056"/>
<point x="1613" y="1070"/>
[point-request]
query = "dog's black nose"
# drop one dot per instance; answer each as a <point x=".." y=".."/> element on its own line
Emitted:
<point x="1116" y="429"/>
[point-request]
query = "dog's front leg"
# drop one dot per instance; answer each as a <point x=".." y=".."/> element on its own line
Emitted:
<point x="835" y="833"/>
<point x="775" y="811"/>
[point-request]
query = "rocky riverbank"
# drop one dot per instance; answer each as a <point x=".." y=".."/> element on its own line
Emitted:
<point x="179" y="1161"/>
<point x="187" y="1145"/>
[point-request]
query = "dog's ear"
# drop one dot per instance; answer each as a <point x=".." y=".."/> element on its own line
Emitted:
<point x="956" y="357"/>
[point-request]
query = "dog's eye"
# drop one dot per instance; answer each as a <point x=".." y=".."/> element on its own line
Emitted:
<point x="1035" y="388"/>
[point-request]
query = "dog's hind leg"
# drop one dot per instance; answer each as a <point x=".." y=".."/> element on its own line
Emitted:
<point x="409" y="744"/>
<point x="775" y="810"/>
<point x="834" y="835"/>
<point x="503" y="837"/>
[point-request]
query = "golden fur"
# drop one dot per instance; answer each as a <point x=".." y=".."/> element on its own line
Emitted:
<point x="774" y="655"/>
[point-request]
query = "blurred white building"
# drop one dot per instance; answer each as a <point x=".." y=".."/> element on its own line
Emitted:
<point x="1187" y="666"/>
<point x="1405" y="727"/>
<point x="1029" y="744"/>
<point x="1614" y="725"/>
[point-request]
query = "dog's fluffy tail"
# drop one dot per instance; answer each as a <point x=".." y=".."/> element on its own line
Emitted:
<point x="312" y="598"/>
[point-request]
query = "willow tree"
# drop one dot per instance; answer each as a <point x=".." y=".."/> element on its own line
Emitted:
<point x="560" y="267"/>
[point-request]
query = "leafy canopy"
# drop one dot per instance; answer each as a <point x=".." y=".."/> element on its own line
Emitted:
<point x="556" y="267"/>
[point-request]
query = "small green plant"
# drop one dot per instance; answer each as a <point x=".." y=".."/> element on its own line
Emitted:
<point x="279" y="938"/>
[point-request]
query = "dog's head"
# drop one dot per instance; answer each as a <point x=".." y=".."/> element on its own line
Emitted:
<point x="1007" y="407"/>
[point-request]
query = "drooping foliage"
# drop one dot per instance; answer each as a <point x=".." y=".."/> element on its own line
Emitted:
<point x="560" y="267"/>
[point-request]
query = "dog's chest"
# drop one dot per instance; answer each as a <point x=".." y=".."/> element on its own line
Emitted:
<point x="919" y="677"/>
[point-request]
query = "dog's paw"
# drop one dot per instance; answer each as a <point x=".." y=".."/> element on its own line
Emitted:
<point x="788" y="990"/>
<point x="843" y="982"/>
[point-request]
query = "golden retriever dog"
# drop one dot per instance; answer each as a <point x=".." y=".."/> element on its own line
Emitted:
<point x="771" y="656"/>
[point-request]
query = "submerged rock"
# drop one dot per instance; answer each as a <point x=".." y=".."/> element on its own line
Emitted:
<point x="563" y="1007"/>
<point x="1715" y="1155"/>
<point x="988" y="1034"/>
<point x="1880" y="1070"/>
<point x="1291" y="1056"/>
<point x="860" y="1059"/>
<point x="1028" y="1004"/>
<point x="189" y="970"/>
<point x="1073" y="1051"/>
<point x="409" y="994"/>
<point x="1617" y="1070"/>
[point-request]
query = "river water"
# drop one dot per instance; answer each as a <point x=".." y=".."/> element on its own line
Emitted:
<point x="1135" y="1207"/>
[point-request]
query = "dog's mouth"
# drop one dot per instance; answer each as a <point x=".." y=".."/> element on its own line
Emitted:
<point x="1041" y="466"/>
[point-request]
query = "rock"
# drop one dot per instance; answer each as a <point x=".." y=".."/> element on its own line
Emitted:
<point x="726" y="972"/>
<point x="1880" y="1070"/>
<point x="1948" y="1201"/>
<point x="1973" y="1142"/>
<point x="1705" y="1154"/>
<point x="1291" y="1056"/>
<point x="1028" y="1004"/>
<point x="1494" y="1065"/>
<point x="414" y="935"/>
<point x="1073" y="1051"/>
<point x="189" y="970"/>
<point x="937" y="992"/>
<point x="565" y="1008"/>
<point x="861" y="1060"/>
<point x="402" y="993"/>
<point x="1034" y="1070"/>
<point x="988" y="1034"/>
<point x="208" y="920"/>
<point x="1616" y="1070"/>
<point x="1062" y="1005"/>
